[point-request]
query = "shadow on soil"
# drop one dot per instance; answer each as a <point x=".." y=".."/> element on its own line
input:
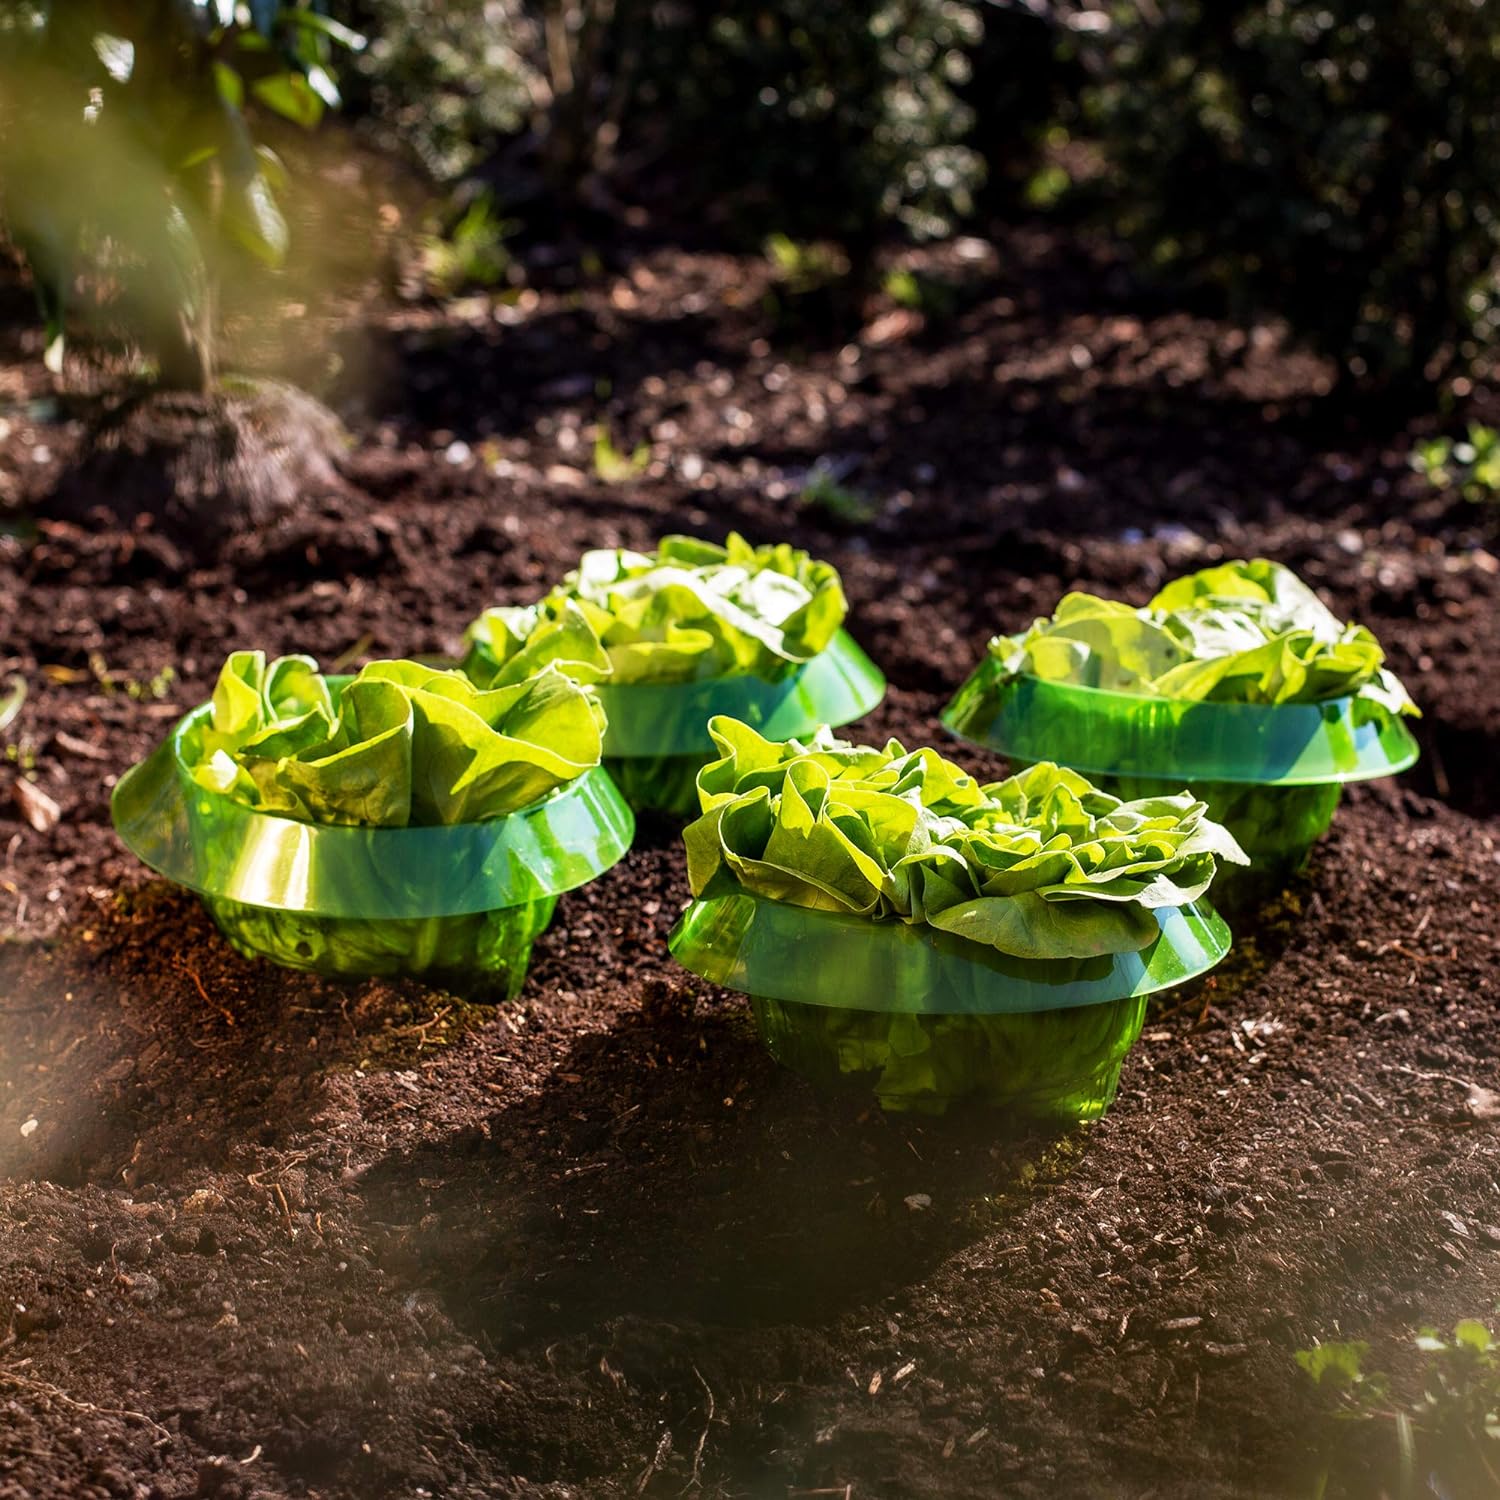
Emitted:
<point x="1457" y="766"/>
<point x="140" y="1046"/>
<point x="670" y="1172"/>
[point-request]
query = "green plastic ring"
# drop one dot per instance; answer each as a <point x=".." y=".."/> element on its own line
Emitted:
<point x="838" y="685"/>
<point x="226" y="851"/>
<point x="779" y="951"/>
<point x="1104" y="733"/>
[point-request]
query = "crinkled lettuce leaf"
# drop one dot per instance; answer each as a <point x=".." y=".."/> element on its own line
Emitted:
<point x="509" y="643"/>
<point x="401" y="744"/>
<point x="1043" y="865"/>
<point x="1275" y="825"/>
<point x="1241" y="632"/>
<point x="691" y="610"/>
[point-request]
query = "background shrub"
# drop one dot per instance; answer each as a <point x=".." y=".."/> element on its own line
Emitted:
<point x="819" y="118"/>
<point x="445" y="82"/>
<point x="815" y="118"/>
<point x="1334" y="161"/>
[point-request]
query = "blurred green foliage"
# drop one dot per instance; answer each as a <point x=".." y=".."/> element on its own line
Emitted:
<point x="813" y="118"/>
<point x="1472" y="466"/>
<point x="1445" y="1443"/>
<point x="1336" y="162"/>
<point x="1332" y="162"/>
<point x="128" y="169"/>
<point x="446" y="81"/>
<point x="818" y="117"/>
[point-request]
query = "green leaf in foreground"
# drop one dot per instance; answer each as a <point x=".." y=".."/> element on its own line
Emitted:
<point x="1337" y="1366"/>
<point x="1241" y="632"/>
<point x="1450" y="1434"/>
<point x="688" y="611"/>
<point x="1040" y="866"/>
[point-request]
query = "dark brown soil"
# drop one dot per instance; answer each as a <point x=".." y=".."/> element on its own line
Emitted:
<point x="267" y="1235"/>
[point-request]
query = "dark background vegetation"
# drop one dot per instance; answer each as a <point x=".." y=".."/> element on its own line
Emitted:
<point x="1333" y="164"/>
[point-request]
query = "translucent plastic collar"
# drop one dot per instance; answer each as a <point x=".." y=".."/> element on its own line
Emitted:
<point x="218" y="847"/>
<point x="783" y="952"/>
<point x="1125" y="734"/>
<point x="834" y="687"/>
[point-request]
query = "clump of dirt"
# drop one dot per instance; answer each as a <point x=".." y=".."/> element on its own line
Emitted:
<point x="199" y="468"/>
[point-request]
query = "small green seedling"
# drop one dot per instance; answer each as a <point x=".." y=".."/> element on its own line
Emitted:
<point x="153" y="688"/>
<point x="472" y="253"/>
<point x="824" y="491"/>
<point x="613" y="465"/>
<point x="936" y="300"/>
<point x="22" y="755"/>
<point x="1472" y="466"/>
<point x="805" y="265"/>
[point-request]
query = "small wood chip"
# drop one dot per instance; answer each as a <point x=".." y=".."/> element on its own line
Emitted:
<point x="892" y="327"/>
<point x="875" y="1383"/>
<point x="36" y="806"/>
<point x="1482" y="1104"/>
<point x="83" y="749"/>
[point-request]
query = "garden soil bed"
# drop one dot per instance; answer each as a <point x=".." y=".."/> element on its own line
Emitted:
<point x="268" y="1235"/>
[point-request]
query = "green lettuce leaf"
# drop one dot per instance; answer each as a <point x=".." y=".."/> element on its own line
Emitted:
<point x="1241" y="632"/>
<point x="689" y="611"/>
<point x="401" y="744"/>
<point x="509" y="643"/>
<point x="486" y="952"/>
<point x="1041" y="866"/>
